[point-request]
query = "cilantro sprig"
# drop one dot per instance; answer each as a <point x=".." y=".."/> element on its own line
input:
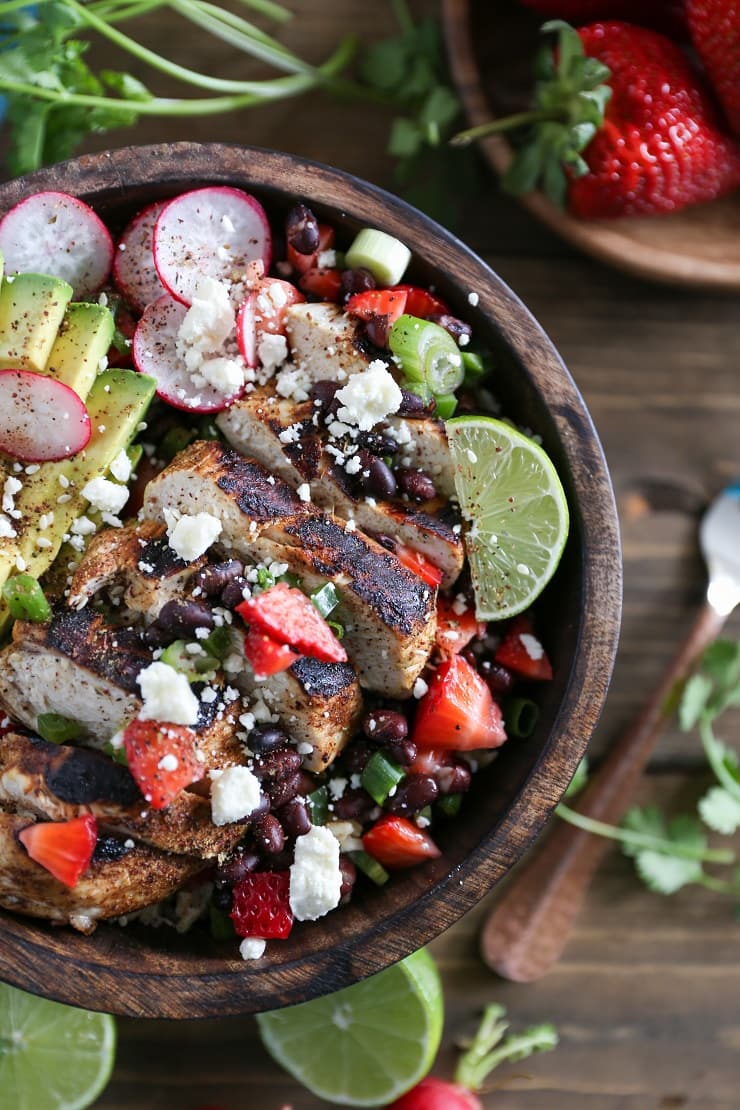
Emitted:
<point x="671" y="853"/>
<point x="491" y="1046"/>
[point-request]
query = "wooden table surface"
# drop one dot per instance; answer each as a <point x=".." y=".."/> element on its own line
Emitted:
<point x="646" y="996"/>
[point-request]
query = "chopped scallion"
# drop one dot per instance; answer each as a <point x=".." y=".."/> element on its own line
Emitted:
<point x="380" y="777"/>
<point x="475" y="366"/>
<point x="55" y="728"/>
<point x="427" y="353"/>
<point x="520" y="716"/>
<point x="117" y="754"/>
<point x="325" y="599"/>
<point x="450" y="804"/>
<point x="446" y="405"/>
<point x="218" y="643"/>
<point x="318" y="806"/>
<point x="25" y="599"/>
<point x="385" y="257"/>
<point x="220" y="924"/>
<point x="370" y="867"/>
<point x="337" y="629"/>
<point x="197" y="666"/>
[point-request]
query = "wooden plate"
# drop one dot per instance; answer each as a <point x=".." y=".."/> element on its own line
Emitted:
<point x="490" y="55"/>
<point x="157" y="973"/>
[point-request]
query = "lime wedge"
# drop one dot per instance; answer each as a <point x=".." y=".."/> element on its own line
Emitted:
<point x="367" y="1044"/>
<point x="52" y="1057"/>
<point x="511" y="495"/>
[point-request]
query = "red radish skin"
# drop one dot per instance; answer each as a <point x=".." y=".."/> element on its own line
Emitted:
<point x="262" y="312"/>
<point x="134" y="273"/>
<point x="154" y="352"/>
<point x="56" y="234"/>
<point x="213" y="232"/>
<point x="41" y="419"/>
<point x="437" y="1094"/>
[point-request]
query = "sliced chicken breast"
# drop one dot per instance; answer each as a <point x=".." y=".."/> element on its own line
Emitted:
<point x="388" y="613"/>
<point x="323" y="342"/>
<point x="424" y="446"/>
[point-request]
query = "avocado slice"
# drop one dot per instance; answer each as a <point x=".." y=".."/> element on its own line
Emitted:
<point x="116" y="403"/>
<point x="32" y="307"/>
<point x="82" y="342"/>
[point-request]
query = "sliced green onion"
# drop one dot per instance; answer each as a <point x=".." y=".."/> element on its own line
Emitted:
<point x="25" y="599"/>
<point x="380" y="777"/>
<point x="337" y="629"/>
<point x="426" y="813"/>
<point x="196" y="666"/>
<point x="318" y="806"/>
<point x="55" y="728"/>
<point x="446" y="405"/>
<point x="220" y="924"/>
<point x="450" y="804"/>
<point x="385" y="257"/>
<point x="475" y="366"/>
<point x="218" y="643"/>
<point x="120" y="342"/>
<point x="370" y="867"/>
<point x="427" y="353"/>
<point x="325" y="599"/>
<point x="520" y="716"/>
<point x="117" y="754"/>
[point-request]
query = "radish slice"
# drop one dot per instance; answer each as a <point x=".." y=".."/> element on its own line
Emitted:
<point x="213" y="232"/>
<point x="56" y="234"/>
<point x="263" y="312"/>
<point x="134" y="272"/>
<point x="155" y="353"/>
<point x="41" y="419"/>
<point x="246" y="330"/>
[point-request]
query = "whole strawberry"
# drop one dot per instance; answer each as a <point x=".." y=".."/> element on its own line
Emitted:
<point x="715" y="32"/>
<point x="664" y="15"/>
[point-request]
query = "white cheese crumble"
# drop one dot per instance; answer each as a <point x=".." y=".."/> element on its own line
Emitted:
<point x="532" y="646"/>
<point x="252" y="948"/>
<point x="107" y="496"/>
<point x="169" y="762"/>
<point x="83" y="526"/>
<point x="272" y="351"/>
<point x="167" y="695"/>
<point x="368" y="397"/>
<point x="315" y="877"/>
<point x="293" y="383"/>
<point x="235" y="794"/>
<point x="190" y="536"/>
<point x="420" y="688"/>
<point x="304" y="492"/>
<point x="473" y="299"/>
<point x="206" y="339"/>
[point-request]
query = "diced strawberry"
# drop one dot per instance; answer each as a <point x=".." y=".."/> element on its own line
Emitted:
<point x="522" y="652"/>
<point x="457" y="712"/>
<point x="266" y="655"/>
<point x="373" y="303"/>
<point x="454" y="630"/>
<point x="286" y="614"/>
<point x="326" y="284"/>
<point x="418" y="563"/>
<point x="437" y="1094"/>
<point x="302" y="263"/>
<point x="161" y="758"/>
<point x="64" y="848"/>
<point x="397" y="843"/>
<point x="420" y="302"/>
<point x="261" y="905"/>
<point x="430" y="761"/>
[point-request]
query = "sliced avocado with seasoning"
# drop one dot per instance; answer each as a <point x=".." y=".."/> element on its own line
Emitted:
<point x="32" y="308"/>
<point x="117" y="402"/>
<point x="81" y="345"/>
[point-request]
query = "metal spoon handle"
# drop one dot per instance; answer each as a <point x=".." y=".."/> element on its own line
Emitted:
<point x="527" y="931"/>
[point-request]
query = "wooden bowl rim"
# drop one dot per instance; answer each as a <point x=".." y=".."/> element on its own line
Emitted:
<point x="94" y="980"/>
<point x="606" y="240"/>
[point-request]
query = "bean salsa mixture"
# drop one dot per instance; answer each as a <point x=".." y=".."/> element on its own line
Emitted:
<point x="266" y="567"/>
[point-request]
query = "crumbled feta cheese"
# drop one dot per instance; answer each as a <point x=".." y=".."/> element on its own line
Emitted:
<point x="11" y="487"/>
<point x="209" y="321"/>
<point x="169" y="762"/>
<point x="247" y="720"/>
<point x="326" y="260"/>
<point x="235" y="794"/>
<point x="291" y="434"/>
<point x="190" y="536"/>
<point x="368" y="397"/>
<point x="120" y="468"/>
<point x="293" y="383"/>
<point x="7" y="531"/>
<point x="420" y="688"/>
<point x="304" y="748"/>
<point x="304" y="492"/>
<point x="337" y="787"/>
<point x="473" y="299"/>
<point x="252" y="948"/>
<point x="272" y="352"/>
<point x="315" y="876"/>
<point x="532" y="646"/>
<point x="226" y="375"/>
<point x="167" y="695"/>
<point x="107" y="496"/>
<point x="83" y="526"/>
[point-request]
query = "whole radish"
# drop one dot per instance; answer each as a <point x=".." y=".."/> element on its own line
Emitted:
<point x="715" y="33"/>
<point x="437" y="1094"/>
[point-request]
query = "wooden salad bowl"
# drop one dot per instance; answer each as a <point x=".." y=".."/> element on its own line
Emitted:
<point x="158" y="973"/>
<point x="491" y="54"/>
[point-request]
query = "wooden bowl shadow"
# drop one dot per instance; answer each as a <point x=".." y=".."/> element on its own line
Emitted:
<point x="157" y="973"/>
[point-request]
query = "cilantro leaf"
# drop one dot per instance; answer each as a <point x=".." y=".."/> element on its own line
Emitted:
<point x="648" y="821"/>
<point x="666" y="874"/>
<point x="694" y="700"/>
<point x="720" y="811"/>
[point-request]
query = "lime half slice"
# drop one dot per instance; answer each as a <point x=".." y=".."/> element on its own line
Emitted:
<point x="511" y="496"/>
<point x="52" y="1057"/>
<point x="367" y="1044"/>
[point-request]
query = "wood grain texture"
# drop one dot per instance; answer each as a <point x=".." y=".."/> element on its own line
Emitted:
<point x="119" y="971"/>
<point x="490" y="48"/>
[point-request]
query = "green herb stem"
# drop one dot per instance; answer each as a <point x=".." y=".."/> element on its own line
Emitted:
<point x="507" y="123"/>
<point x="713" y="752"/>
<point x="719" y="886"/>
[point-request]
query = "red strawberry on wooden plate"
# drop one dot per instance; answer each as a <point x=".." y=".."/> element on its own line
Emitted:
<point x="715" y="32"/>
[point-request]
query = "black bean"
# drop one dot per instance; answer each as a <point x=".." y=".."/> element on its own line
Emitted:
<point x="500" y="679"/>
<point x="283" y="790"/>
<point x="266" y="738"/>
<point x="349" y="878"/>
<point x="307" y="783"/>
<point x="415" y="484"/>
<point x="212" y="579"/>
<point x="324" y="392"/>
<point x="268" y="834"/>
<point x="237" y="866"/>
<point x="177" y="617"/>
<point x="382" y="725"/>
<point x="233" y="593"/>
<point x="355" y="756"/>
<point x="412" y="794"/>
<point x="156" y="636"/>
<point x="354" y="805"/>
<point x="453" y="780"/>
<point x="413" y="405"/>
<point x="378" y="443"/>
<point x="377" y="330"/>
<point x="402" y="751"/>
<point x="277" y="763"/>
<point x="294" y="818"/>
<point x="355" y="281"/>
<point x="453" y="325"/>
<point x="302" y="229"/>
<point x="385" y="541"/>
<point x="375" y="477"/>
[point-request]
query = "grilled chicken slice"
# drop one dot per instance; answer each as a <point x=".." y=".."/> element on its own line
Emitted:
<point x="317" y="703"/>
<point x="255" y="425"/>
<point x="323" y="342"/>
<point x="57" y="782"/>
<point x="140" y="559"/>
<point x="76" y="665"/>
<point x="119" y="880"/>
<point x="388" y="613"/>
<point x="424" y="446"/>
